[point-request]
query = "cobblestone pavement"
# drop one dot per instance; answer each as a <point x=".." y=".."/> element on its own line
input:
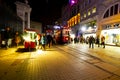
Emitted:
<point x="68" y="62"/>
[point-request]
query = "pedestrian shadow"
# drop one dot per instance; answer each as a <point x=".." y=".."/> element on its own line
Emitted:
<point x="22" y="50"/>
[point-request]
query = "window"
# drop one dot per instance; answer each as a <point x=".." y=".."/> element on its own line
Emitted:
<point x="84" y="15"/>
<point x="89" y="1"/>
<point x="111" y="11"/>
<point x="106" y="14"/>
<point x="78" y="17"/>
<point x="116" y="9"/>
<point x="89" y="13"/>
<point x="94" y="10"/>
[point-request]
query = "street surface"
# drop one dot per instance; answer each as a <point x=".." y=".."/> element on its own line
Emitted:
<point x="63" y="62"/>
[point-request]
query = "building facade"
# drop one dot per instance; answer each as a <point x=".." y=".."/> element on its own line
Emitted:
<point x="37" y="26"/>
<point x="8" y="18"/>
<point x="93" y="17"/>
<point x="24" y="11"/>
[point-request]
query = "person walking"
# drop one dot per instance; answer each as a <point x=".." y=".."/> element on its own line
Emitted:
<point x="103" y="41"/>
<point x="17" y="38"/>
<point x="91" y="42"/>
<point x="8" y="37"/>
<point x="43" y="41"/>
<point x="49" y="40"/>
<point x="98" y="41"/>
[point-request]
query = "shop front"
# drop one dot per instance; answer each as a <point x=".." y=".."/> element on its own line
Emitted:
<point x="89" y="29"/>
<point x="112" y="36"/>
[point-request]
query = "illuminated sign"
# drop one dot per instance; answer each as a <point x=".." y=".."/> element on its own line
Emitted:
<point x="72" y="2"/>
<point x="56" y="27"/>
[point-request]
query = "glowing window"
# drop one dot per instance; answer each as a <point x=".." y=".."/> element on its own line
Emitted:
<point x="94" y="10"/>
<point x="75" y="19"/>
<point x="89" y="13"/>
<point x="68" y="22"/>
<point x="84" y="15"/>
<point x="78" y="17"/>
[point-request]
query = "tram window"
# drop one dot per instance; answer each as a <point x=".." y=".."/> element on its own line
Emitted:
<point x="31" y="36"/>
<point x="35" y="35"/>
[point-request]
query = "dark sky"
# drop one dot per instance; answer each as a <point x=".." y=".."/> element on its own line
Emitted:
<point x="45" y="11"/>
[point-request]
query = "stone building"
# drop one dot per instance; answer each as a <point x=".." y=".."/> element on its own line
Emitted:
<point x="93" y="17"/>
<point x="23" y="11"/>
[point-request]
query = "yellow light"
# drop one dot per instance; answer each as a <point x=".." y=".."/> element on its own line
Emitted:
<point x="94" y="10"/>
<point x="39" y="51"/>
<point x="26" y="38"/>
<point x="72" y="36"/>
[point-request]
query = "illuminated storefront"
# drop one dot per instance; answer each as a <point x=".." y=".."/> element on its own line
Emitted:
<point x="110" y="25"/>
<point x="86" y="19"/>
<point x="112" y="36"/>
<point x="89" y="29"/>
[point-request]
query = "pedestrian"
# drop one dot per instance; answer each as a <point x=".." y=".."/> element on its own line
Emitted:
<point x="43" y="41"/>
<point x="17" y="38"/>
<point x="8" y="37"/>
<point x="98" y="41"/>
<point x="49" y="40"/>
<point x="103" y="41"/>
<point x="91" y="42"/>
<point x="38" y="41"/>
<point x="75" y="40"/>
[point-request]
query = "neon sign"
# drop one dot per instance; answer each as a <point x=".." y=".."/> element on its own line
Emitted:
<point x="72" y="2"/>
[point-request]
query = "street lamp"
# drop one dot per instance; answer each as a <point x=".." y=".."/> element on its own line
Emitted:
<point x="83" y="28"/>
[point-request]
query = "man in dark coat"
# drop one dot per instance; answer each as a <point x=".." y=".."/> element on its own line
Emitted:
<point x="91" y="42"/>
<point x="8" y="37"/>
<point x="49" y="40"/>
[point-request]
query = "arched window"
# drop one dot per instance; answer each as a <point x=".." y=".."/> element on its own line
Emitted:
<point x="106" y="14"/>
<point x="113" y="10"/>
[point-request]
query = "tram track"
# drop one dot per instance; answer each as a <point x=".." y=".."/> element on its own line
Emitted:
<point x="71" y="51"/>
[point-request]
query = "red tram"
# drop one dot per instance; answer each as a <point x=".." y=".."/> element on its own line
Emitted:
<point x="64" y="34"/>
<point x="30" y="37"/>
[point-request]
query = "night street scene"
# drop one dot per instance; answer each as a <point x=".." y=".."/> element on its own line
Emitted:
<point x="59" y="39"/>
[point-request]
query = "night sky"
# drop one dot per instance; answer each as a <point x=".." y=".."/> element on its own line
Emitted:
<point x="44" y="11"/>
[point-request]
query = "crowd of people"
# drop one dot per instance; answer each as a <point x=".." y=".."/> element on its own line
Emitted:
<point x="91" y="41"/>
<point x="47" y="40"/>
<point x="9" y="38"/>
